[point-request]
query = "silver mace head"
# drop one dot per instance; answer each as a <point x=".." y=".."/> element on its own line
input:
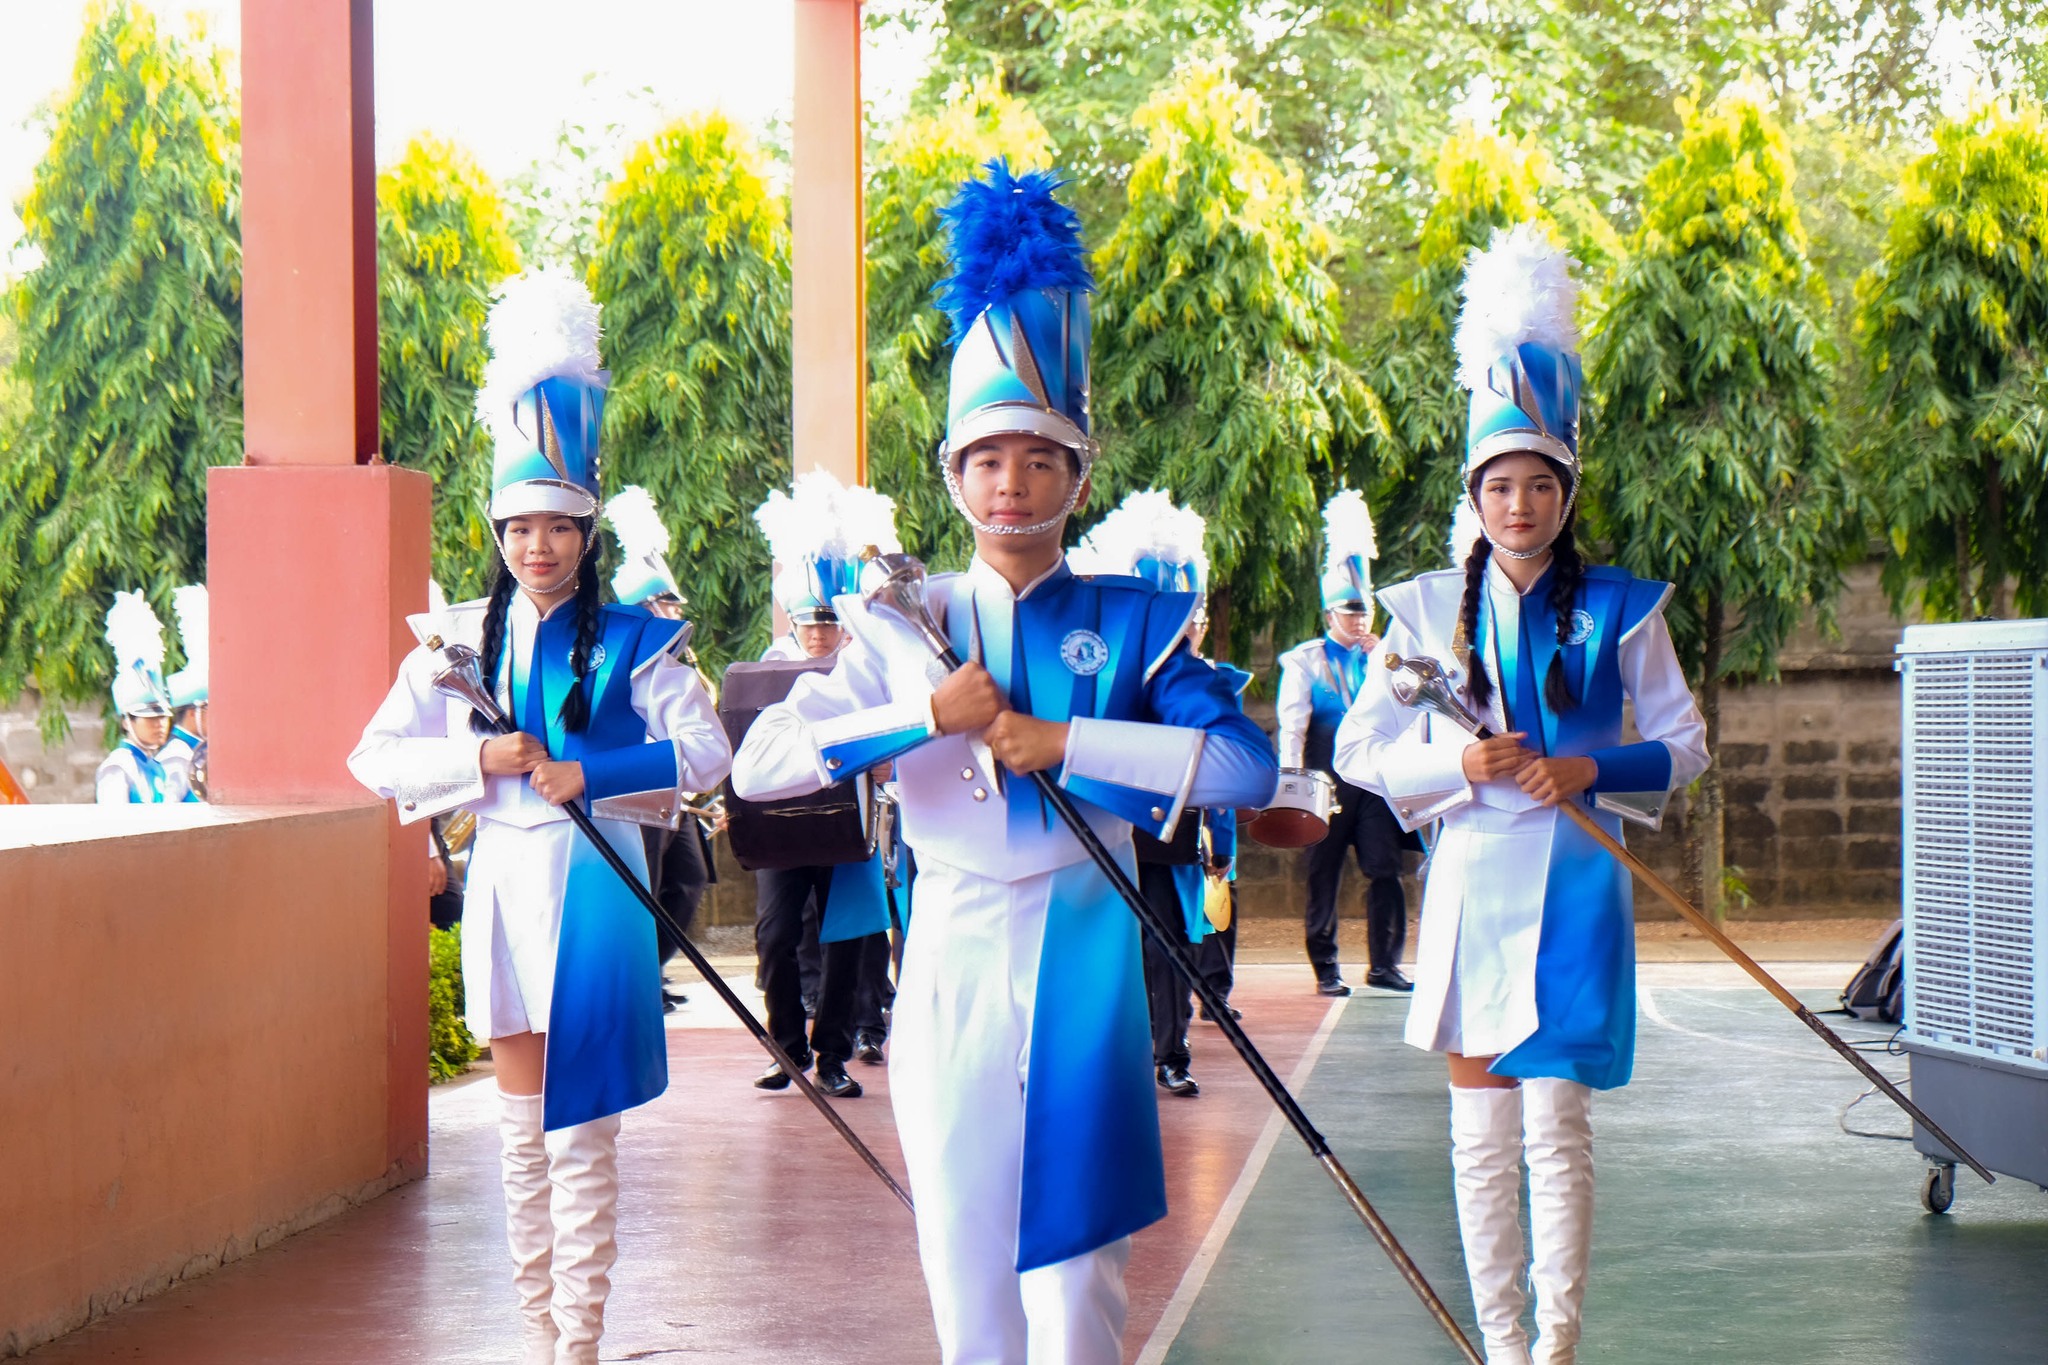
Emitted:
<point x="897" y="587"/>
<point x="1419" y="682"/>
<point x="461" y="676"/>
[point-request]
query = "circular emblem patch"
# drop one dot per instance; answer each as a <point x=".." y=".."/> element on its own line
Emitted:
<point x="1083" y="652"/>
<point x="1582" y="627"/>
<point x="596" y="658"/>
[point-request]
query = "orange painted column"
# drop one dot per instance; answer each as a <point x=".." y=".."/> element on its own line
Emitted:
<point x="315" y="549"/>
<point x="829" y="259"/>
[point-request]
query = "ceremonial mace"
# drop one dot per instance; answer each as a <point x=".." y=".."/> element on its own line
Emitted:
<point x="1420" y="683"/>
<point x="900" y="593"/>
<point x="461" y="677"/>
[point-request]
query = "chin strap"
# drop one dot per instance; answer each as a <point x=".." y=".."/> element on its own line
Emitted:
<point x="1086" y="459"/>
<point x="1571" y="499"/>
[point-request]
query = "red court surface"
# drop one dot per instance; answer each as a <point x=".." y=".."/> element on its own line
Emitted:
<point x="748" y="1232"/>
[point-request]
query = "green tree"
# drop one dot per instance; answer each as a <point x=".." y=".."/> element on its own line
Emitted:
<point x="916" y="174"/>
<point x="1710" y="460"/>
<point x="442" y="245"/>
<point x="1954" y="319"/>
<point x="1219" y="372"/>
<point x="692" y="268"/>
<point x="1415" y="474"/>
<point x="130" y="342"/>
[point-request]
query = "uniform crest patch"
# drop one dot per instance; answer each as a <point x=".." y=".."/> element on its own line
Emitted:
<point x="1582" y="627"/>
<point x="596" y="658"/>
<point x="1084" y="653"/>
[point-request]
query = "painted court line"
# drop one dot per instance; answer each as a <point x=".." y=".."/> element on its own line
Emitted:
<point x="1190" y="1287"/>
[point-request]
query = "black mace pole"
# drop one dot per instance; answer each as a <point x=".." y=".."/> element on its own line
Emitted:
<point x="900" y="602"/>
<point x="453" y="682"/>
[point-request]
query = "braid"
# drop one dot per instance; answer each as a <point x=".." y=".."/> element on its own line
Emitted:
<point x="576" y="706"/>
<point x="1568" y="571"/>
<point x="1480" y="684"/>
<point x="494" y="636"/>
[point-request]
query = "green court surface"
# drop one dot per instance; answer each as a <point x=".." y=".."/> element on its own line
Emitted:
<point x="1737" y="1221"/>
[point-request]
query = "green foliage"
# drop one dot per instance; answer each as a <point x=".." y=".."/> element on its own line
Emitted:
<point x="442" y="245"/>
<point x="1219" y="373"/>
<point x="450" y="1048"/>
<point x="916" y="174"/>
<point x="693" y="271"/>
<point x="1955" y="324"/>
<point x="1413" y="476"/>
<point x="1711" y="460"/>
<point x="130" y="342"/>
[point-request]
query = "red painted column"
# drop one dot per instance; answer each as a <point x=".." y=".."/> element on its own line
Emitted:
<point x="315" y="549"/>
<point x="828" y="259"/>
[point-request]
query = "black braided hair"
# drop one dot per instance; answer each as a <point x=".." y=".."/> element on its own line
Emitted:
<point x="576" y="706"/>
<point x="1567" y="570"/>
<point x="1480" y="683"/>
<point x="502" y="588"/>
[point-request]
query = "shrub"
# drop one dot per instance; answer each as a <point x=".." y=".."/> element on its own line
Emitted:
<point x="450" y="1049"/>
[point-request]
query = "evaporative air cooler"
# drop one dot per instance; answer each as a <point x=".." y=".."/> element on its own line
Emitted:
<point x="1975" y="770"/>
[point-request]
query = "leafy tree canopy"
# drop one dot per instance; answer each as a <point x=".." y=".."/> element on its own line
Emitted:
<point x="915" y="176"/>
<point x="1954" y="319"/>
<point x="692" y="268"/>
<point x="130" y="341"/>
<point x="442" y="245"/>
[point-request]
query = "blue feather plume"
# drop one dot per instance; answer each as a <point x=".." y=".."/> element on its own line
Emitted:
<point x="1007" y="234"/>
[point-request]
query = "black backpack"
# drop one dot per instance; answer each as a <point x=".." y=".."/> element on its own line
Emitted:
<point x="1877" y="992"/>
<point x="828" y="827"/>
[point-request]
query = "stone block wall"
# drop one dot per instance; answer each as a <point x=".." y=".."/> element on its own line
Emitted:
<point x="58" y="772"/>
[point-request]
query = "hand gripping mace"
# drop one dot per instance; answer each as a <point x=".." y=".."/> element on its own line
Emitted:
<point x="1420" y="683"/>
<point x="899" y="592"/>
<point x="461" y="677"/>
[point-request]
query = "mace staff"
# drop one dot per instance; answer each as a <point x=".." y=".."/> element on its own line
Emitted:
<point x="461" y="677"/>
<point x="1419" y="683"/>
<point x="900" y="592"/>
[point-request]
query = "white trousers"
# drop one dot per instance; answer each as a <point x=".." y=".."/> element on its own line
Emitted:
<point x="960" y="1040"/>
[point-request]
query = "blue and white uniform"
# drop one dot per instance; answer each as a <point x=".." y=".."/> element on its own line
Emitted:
<point x="1031" y="1135"/>
<point x="129" y="775"/>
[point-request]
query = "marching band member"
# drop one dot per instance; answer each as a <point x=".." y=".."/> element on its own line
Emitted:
<point x="1031" y="1135"/>
<point x="187" y="687"/>
<point x="1319" y="679"/>
<point x="558" y="956"/>
<point x="140" y="768"/>
<point x="1526" y="978"/>
<point x="817" y="532"/>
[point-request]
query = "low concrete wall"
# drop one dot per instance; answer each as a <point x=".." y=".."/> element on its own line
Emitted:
<point x="194" y="1024"/>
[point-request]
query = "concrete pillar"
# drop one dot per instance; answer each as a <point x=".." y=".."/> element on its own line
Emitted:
<point x="315" y="550"/>
<point x="829" y="260"/>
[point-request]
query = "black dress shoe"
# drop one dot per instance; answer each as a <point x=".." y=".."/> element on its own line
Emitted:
<point x="670" y="999"/>
<point x="1175" y="1080"/>
<point x="775" y="1078"/>
<point x="868" y="1048"/>
<point x="1332" y="984"/>
<point x="1388" y="979"/>
<point x="833" y="1080"/>
<point x="1209" y="1018"/>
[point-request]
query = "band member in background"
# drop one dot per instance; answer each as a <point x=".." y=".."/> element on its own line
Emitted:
<point x="1526" y="976"/>
<point x="1026" y="1194"/>
<point x="558" y="957"/>
<point x="140" y="770"/>
<point x="188" y="688"/>
<point x="1319" y="679"/>
<point x="816" y="533"/>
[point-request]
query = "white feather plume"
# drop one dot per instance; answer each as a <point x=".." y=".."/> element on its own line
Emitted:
<point x="1144" y="525"/>
<point x="637" y="524"/>
<point x="190" y="604"/>
<point x="135" y="633"/>
<point x="821" y="517"/>
<point x="1466" y="531"/>
<point x="1347" y="530"/>
<point x="1519" y="289"/>
<point x="543" y="325"/>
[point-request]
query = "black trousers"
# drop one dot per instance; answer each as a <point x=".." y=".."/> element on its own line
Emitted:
<point x="1168" y="995"/>
<point x="778" y="930"/>
<point x="677" y="873"/>
<point x="1216" y="955"/>
<point x="1366" y="829"/>
<point x="875" y="992"/>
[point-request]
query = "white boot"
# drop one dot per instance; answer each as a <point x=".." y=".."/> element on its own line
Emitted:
<point x="529" y="1226"/>
<point x="1557" y="1119"/>
<point x="583" y="1166"/>
<point x="1486" y="1159"/>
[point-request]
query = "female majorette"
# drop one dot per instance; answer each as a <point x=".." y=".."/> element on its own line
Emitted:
<point x="558" y="958"/>
<point x="1526" y="972"/>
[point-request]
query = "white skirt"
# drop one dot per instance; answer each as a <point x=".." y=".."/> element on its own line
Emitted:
<point x="511" y="921"/>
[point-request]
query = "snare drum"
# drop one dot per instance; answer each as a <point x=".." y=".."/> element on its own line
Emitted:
<point x="1301" y="810"/>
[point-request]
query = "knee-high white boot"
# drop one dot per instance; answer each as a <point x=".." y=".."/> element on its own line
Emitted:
<point x="1486" y="1159"/>
<point x="583" y="1166"/>
<point x="529" y="1226"/>
<point x="1557" y="1119"/>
